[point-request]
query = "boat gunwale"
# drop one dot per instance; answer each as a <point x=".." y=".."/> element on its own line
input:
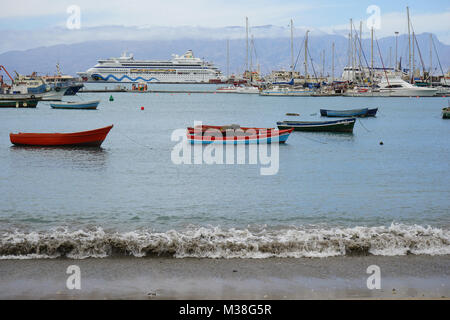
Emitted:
<point x="316" y="123"/>
<point x="278" y="133"/>
<point x="62" y="134"/>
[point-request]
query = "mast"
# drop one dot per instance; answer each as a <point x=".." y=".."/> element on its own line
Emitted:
<point x="228" y="58"/>
<point x="292" y="49"/>
<point x="360" y="39"/>
<point x="251" y="58"/>
<point x="332" y="63"/>
<point x="413" y="56"/>
<point x="348" y="51"/>
<point x="323" y="63"/>
<point x="246" y="43"/>
<point x="409" y="42"/>
<point x="252" y="44"/>
<point x="390" y="57"/>
<point x="306" y="55"/>
<point x="371" y="56"/>
<point x="351" y="46"/>
<point x="396" y="50"/>
<point x="430" y="75"/>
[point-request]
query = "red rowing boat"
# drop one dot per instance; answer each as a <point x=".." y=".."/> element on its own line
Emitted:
<point x="92" y="138"/>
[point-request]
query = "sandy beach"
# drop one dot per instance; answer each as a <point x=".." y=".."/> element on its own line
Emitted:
<point x="417" y="277"/>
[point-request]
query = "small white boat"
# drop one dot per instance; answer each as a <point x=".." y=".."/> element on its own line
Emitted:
<point x="248" y="90"/>
<point x="85" y="105"/>
<point x="285" y="91"/>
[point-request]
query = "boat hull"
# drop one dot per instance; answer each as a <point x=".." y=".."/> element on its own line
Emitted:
<point x="271" y="136"/>
<point x="342" y="126"/>
<point x="344" y="113"/>
<point x="349" y="113"/>
<point x="18" y="103"/>
<point x="73" y="90"/>
<point x="224" y="128"/>
<point x="446" y="113"/>
<point x="423" y="92"/>
<point x="92" y="138"/>
<point x="88" y="105"/>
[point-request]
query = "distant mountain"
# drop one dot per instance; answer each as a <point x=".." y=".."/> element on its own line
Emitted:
<point x="272" y="52"/>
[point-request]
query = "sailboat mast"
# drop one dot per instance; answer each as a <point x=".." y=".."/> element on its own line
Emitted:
<point x="306" y="55"/>
<point x="332" y="63"/>
<point x="292" y="49"/>
<point x="413" y="55"/>
<point x="323" y="64"/>
<point x="371" y="54"/>
<point x="409" y="42"/>
<point x="390" y="57"/>
<point x="251" y="58"/>
<point x="360" y="39"/>
<point x="430" y="74"/>
<point x="396" y="51"/>
<point x="246" y="43"/>
<point x="228" y="58"/>
<point x="351" y="46"/>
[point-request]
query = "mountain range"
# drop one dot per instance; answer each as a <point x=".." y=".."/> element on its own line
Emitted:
<point x="271" y="50"/>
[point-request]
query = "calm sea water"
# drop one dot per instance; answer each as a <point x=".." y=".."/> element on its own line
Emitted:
<point x="329" y="188"/>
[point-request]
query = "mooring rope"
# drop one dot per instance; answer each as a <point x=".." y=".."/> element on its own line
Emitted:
<point x="363" y="125"/>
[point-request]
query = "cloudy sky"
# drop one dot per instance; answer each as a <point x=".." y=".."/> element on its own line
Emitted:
<point x="40" y="18"/>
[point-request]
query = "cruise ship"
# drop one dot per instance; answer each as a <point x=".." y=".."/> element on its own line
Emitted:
<point x="181" y="69"/>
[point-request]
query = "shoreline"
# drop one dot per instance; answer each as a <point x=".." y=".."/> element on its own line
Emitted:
<point x="402" y="277"/>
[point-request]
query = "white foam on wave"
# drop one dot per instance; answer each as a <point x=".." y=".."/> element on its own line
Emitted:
<point x="215" y="242"/>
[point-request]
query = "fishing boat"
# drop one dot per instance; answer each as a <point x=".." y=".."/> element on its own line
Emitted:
<point x="344" y="125"/>
<point x="217" y="135"/>
<point x="366" y="112"/>
<point x="19" y="103"/>
<point x="446" y="113"/>
<point x="84" y="105"/>
<point x="92" y="138"/>
<point x="224" y="128"/>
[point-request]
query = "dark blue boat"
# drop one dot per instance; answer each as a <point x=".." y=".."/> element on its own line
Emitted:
<point x="349" y="113"/>
<point x="343" y="125"/>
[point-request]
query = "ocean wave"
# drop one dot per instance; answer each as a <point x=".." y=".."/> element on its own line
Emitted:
<point x="215" y="242"/>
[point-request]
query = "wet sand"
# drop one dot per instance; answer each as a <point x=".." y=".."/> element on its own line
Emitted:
<point x="417" y="277"/>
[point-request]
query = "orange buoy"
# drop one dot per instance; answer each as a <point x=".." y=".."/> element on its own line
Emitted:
<point x="142" y="108"/>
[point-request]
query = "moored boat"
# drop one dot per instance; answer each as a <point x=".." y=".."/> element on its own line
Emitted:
<point x="84" y="105"/>
<point x="92" y="138"/>
<point x="344" y="125"/>
<point x="366" y="112"/>
<point x="237" y="136"/>
<point x="19" y="103"/>
<point x="446" y="113"/>
<point x="224" y="128"/>
<point x="372" y="112"/>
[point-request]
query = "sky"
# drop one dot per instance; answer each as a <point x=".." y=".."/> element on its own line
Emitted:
<point x="329" y="16"/>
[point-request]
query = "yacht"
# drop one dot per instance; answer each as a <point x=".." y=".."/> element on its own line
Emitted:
<point x="396" y="87"/>
<point x="286" y="91"/>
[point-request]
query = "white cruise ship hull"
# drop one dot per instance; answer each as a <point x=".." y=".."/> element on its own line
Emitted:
<point x="158" y="78"/>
